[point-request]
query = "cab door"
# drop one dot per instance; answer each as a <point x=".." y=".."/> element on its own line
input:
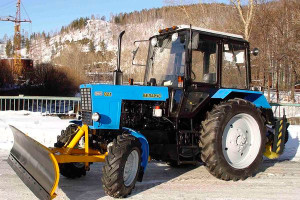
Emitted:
<point x="204" y="72"/>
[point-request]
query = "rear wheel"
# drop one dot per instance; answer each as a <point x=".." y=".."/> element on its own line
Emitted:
<point x="69" y="170"/>
<point x="233" y="140"/>
<point x="122" y="166"/>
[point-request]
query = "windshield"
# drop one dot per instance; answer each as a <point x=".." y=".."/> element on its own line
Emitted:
<point x="166" y="59"/>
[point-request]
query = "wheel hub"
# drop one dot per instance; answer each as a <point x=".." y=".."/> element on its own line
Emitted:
<point x="131" y="168"/>
<point x="239" y="135"/>
<point x="241" y="141"/>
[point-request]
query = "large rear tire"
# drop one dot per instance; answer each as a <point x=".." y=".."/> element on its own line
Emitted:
<point x="122" y="166"/>
<point x="233" y="140"/>
<point x="69" y="170"/>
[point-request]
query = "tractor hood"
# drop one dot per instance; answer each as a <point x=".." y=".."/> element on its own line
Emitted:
<point x="106" y="100"/>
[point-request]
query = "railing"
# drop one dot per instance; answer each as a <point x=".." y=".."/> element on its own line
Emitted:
<point x="43" y="104"/>
<point x="69" y="105"/>
<point x="290" y="110"/>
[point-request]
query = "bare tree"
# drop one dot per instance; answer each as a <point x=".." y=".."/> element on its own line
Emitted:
<point x="191" y="16"/>
<point x="246" y="16"/>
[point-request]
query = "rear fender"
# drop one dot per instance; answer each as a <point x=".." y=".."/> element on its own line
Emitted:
<point x="256" y="97"/>
<point x="145" y="150"/>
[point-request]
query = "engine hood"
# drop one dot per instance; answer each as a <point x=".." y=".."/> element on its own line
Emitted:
<point x="107" y="100"/>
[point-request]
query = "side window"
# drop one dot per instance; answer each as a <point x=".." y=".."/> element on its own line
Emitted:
<point x="234" y="73"/>
<point x="204" y="62"/>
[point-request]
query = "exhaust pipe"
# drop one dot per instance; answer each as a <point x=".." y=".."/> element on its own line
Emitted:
<point x="118" y="74"/>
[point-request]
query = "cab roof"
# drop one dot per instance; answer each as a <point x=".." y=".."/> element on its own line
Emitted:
<point x="210" y="32"/>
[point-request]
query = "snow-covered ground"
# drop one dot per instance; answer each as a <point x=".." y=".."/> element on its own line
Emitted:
<point x="276" y="179"/>
<point x="284" y="97"/>
<point x="43" y="129"/>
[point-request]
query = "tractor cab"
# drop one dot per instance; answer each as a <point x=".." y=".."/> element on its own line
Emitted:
<point x="194" y="63"/>
<point x="182" y="56"/>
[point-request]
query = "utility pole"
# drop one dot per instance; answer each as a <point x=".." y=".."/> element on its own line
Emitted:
<point x="17" y="68"/>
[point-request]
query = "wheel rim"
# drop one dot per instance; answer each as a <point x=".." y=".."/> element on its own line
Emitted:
<point x="241" y="141"/>
<point x="131" y="168"/>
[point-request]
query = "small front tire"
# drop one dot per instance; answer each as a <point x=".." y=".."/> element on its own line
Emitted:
<point x="69" y="170"/>
<point x="122" y="166"/>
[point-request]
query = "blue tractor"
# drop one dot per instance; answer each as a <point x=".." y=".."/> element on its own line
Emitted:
<point x="195" y="106"/>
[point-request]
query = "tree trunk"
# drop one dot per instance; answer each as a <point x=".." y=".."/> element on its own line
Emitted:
<point x="293" y="83"/>
<point x="277" y="84"/>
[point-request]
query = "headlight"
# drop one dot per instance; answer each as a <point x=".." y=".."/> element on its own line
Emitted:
<point x="95" y="117"/>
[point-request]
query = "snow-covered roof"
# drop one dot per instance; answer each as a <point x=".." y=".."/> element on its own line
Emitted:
<point x="210" y="31"/>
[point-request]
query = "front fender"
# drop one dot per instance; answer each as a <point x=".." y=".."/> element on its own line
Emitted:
<point x="145" y="146"/>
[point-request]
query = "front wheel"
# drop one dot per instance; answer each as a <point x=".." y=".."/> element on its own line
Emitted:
<point x="122" y="166"/>
<point x="233" y="140"/>
<point x="69" y="170"/>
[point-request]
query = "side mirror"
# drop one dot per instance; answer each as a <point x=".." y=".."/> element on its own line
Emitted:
<point x="139" y="52"/>
<point x="195" y="41"/>
<point x="255" y="52"/>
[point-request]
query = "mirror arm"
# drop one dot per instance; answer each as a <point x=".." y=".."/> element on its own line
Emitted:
<point x="135" y="51"/>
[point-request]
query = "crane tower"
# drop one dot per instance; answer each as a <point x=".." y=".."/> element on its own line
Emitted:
<point x="17" y="68"/>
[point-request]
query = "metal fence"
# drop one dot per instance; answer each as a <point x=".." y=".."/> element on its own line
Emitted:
<point x="43" y="104"/>
<point x="68" y="105"/>
<point x="290" y="110"/>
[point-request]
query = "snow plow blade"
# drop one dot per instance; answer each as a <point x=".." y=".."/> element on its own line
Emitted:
<point x="35" y="165"/>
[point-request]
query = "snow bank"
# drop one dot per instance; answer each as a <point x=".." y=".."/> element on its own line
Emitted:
<point x="284" y="97"/>
<point x="43" y="129"/>
<point x="292" y="150"/>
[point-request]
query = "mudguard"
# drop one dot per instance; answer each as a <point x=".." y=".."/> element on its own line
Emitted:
<point x="145" y="146"/>
<point x="35" y="165"/>
<point x="256" y="97"/>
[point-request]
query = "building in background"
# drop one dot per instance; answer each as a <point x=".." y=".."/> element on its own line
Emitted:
<point x="27" y="64"/>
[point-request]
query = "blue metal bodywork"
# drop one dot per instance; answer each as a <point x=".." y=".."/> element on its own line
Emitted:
<point x="145" y="146"/>
<point x="107" y="101"/>
<point x="256" y="97"/>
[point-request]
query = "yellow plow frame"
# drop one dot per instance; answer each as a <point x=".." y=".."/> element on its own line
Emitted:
<point x="37" y="166"/>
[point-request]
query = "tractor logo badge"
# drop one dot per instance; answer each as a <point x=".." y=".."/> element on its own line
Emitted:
<point x="148" y="95"/>
<point x="98" y="93"/>
<point x="107" y="94"/>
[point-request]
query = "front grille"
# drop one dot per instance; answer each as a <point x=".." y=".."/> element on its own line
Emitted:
<point x="86" y="101"/>
<point x="86" y="106"/>
<point x="87" y="118"/>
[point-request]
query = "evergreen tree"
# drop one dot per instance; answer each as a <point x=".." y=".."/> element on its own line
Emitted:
<point x="27" y="45"/>
<point x="23" y="41"/>
<point x="92" y="46"/>
<point x="5" y="38"/>
<point x="9" y="48"/>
